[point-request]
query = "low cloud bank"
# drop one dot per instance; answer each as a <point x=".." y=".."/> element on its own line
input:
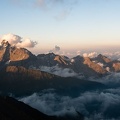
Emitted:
<point x="113" y="55"/>
<point x="94" y="105"/>
<point x="63" y="72"/>
<point x="112" y="78"/>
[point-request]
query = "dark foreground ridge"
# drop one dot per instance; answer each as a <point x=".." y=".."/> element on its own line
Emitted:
<point x="11" y="109"/>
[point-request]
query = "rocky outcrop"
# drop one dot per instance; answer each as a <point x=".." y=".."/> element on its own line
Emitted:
<point x="29" y="73"/>
<point x="102" y="59"/>
<point x="116" y="66"/>
<point x="4" y="51"/>
<point x="97" y="68"/>
<point x="46" y="60"/>
<point x="79" y="67"/>
<point x="62" y="60"/>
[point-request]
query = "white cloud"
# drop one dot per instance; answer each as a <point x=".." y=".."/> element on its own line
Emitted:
<point x="11" y="38"/>
<point x="55" y="50"/>
<point x="108" y="69"/>
<point x="112" y="78"/>
<point x="101" y="64"/>
<point x="78" y="52"/>
<point x="91" y="55"/>
<point x="17" y="41"/>
<point x="112" y="55"/>
<point x="63" y="72"/>
<point x="26" y="43"/>
<point x="72" y="60"/>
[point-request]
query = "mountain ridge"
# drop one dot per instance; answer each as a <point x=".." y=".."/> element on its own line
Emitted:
<point x="88" y="67"/>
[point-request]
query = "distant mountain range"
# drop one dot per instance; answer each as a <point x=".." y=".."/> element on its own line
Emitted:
<point x="56" y="64"/>
<point x="27" y="73"/>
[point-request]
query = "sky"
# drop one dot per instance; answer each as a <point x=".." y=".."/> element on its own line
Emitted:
<point x="71" y="25"/>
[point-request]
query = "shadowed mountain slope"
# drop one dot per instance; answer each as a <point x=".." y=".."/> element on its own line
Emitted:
<point x="11" y="109"/>
<point x="22" y="81"/>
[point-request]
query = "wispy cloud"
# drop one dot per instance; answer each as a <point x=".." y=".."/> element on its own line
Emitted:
<point x="63" y="15"/>
<point x="62" y="8"/>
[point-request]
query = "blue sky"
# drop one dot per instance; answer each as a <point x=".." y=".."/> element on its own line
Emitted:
<point x="71" y="24"/>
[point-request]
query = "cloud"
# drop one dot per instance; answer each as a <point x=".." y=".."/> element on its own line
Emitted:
<point x="63" y="8"/>
<point x="63" y="72"/>
<point x="113" y="55"/>
<point x="47" y="3"/>
<point x="17" y="41"/>
<point x="108" y="69"/>
<point x="94" y="104"/>
<point x="26" y="43"/>
<point x="63" y="15"/>
<point x="91" y="55"/>
<point x="40" y="4"/>
<point x="78" y="52"/>
<point x="11" y="38"/>
<point x="47" y="103"/>
<point x="102" y="65"/>
<point x="112" y="78"/>
<point x="55" y="50"/>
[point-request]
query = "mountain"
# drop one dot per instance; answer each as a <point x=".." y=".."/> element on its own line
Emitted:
<point x="20" y="81"/>
<point x="96" y="67"/>
<point x="78" y="66"/>
<point x="11" y="109"/>
<point x="102" y="59"/>
<point x="116" y="66"/>
<point x="51" y="59"/>
<point x="57" y="64"/>
<point x="14" y="55"/>
<point x="108" y="64"/>
<point x="23" y="74"/>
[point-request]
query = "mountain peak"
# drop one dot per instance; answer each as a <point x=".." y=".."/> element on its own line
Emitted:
<point x="103" y="58"/>
<point x="12" y="53"/>
<point x="5" y="43"/>
<point x="62" y="59"/>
